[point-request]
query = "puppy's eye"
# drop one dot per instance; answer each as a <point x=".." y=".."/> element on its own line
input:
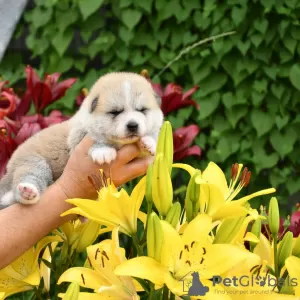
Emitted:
<point x="115" y="112"/>
<point x="142" y="110"/>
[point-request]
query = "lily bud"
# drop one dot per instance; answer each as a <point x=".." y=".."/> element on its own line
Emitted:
<point x="228" y="230"/>
<point x="174" y="214"/>
<point x="162" y="189"/>
<point x="148" y="193"/>
<point x="256" y="230"/>
<point x="165" y="144"/>
<point x="87" y="234"/>
<point x="154" y="236"/>
<point x="285" y="249"/>
<point x="273" y="216"/>
<point x="72" y="292"/>
<point x="192" y="202"/>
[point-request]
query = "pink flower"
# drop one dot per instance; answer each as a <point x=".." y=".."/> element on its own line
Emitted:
<point x="295" y="223"/>
<point x="46" y="92"/>
<point x="182" y="139"/>
<point x="173" y="98"/>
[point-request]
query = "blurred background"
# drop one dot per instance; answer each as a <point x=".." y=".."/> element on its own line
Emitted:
<point x="249" y="82"/>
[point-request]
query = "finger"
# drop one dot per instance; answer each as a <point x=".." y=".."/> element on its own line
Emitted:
<point x="135" y="168"/>
<point x="126" y="154"/>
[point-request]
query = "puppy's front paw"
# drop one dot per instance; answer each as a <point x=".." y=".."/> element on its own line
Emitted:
<point x="27" y="193"/>
<point x="147" y="144"/>
<point x="103" y="155"/>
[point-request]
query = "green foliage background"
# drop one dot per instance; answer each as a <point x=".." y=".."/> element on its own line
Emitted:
<point x="249" y="92"/>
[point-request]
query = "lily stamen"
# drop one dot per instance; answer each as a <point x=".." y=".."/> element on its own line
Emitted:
<point x="244" y="181"/>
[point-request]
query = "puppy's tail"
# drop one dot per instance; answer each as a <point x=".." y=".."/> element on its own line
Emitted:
<point x="6" y="194"/>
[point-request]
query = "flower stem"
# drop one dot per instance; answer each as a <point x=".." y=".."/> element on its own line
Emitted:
<point x="172" y="297"/>
<point x="137" y="245"/>
<point x="275" y="256"/>
<point x="165" y="293"/>
<point x="151" y="293"/>
<point x="149" y="210"/>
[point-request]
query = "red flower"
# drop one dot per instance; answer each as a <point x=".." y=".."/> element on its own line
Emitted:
<point x="8" y="100"/>
<point x="7" y="146"/>
<point x="173" y="98"/>
<point x="48" y="91"/>
<point x="26" y="131"/>
<point x="295" y="223"/>
<point x="182" y="139"/>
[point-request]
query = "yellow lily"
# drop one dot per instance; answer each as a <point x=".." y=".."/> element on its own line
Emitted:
<point x="183" y="254"/>
<point x="293" y="266"/>
<point x="79" y="235"/>
<point x="216" y="196"/>
<point x="113" y="208"/>
<point x="23" y="274"/>
<point x="44" y="270"/>
<point x="103" y="259"/>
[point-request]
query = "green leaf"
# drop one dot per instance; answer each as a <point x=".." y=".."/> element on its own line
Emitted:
<point x="257" y="98"/>
<point x="131" y="17"/>
<point x="281" y="121"/>
<point x="220" y="124"/>
<point x="293" y="185"/>
<point x="262" y="122"/>
<point x="208" y="105"/>
<point x="256" y="39"/>
<point x="277" y="90"/>
<point x="235" y="114"/>
<point x="125" y="3"/>
<point x="213" y="82"/>
<point x="238" y="14"/>
<point x="271" y="71"/>
<point x="62" y="41"/>
<point x="88" y="7"/>
<point x="283" y="143"/>
<point x="261" y="25"/>
<point x="66" y="18"/>
<point x="244" y="46"/>
<point x="80" y="64"/>
<point x="267" y="3"/>
<point x="145" y="4"/>
<point x="290" y="44"/>
<point x="125" y="34"/>
<point x="41" y="17"/>
<point x="295" y="76"/>
<point x="261" y="159"/>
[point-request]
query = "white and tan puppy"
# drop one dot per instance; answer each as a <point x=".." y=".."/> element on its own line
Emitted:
<point x="121" y="108"/>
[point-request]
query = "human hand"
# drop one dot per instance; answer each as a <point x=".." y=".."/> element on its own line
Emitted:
<point x="75" y="181"/>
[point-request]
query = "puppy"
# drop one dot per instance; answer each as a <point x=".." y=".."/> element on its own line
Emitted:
<point x="121" y="108"/>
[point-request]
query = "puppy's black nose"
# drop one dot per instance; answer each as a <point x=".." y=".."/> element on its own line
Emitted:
<point x="132" y="126"/>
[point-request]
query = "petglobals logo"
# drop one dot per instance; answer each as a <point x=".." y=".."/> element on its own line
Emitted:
<point x="253" y="281"/>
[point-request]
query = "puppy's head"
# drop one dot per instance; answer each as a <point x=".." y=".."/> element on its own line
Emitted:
<point x="121" y="108"/>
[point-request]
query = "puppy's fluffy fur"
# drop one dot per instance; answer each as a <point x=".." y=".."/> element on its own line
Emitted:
<point x="121" y="108"/>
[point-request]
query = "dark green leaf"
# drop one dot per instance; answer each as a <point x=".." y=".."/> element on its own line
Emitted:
<point x="262" y="122"/>
<point x="295" y="76"/>
<point x="131" y="17"/>
<point x="208" y="105"/>
<point x="88" y="7"/>
<point x="235" y="114"/>
<point x="213" y="82"/>
<point x="283" y="143"/>
<point x="62" y="41"/>
<point x="145" y="4"/>
<point x="281" y="121"/>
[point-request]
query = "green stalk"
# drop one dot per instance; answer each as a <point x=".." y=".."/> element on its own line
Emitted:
<point x="172" y="297"/>
<point x="151" y="293"/>
<point x="149" y="210"/>
<point x="165" y="293"/>
<point x="137" y="245"/>
<point x="275" y="257"/>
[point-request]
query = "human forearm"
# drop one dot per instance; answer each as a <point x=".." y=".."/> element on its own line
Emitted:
<point x="21" y="226"/>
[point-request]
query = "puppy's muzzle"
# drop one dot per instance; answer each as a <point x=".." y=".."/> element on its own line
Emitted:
<point x="132" y="127"/>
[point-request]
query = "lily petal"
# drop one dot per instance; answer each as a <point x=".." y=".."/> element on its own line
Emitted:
<point x="143" y="267"/>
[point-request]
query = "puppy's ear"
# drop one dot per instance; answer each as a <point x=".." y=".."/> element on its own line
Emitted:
<point x="94" y="104"/>
<point x="158" y="99"/>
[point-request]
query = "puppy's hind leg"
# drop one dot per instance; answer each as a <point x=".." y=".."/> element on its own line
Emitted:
<point x="31" y="179"/>
<point x="6" y="194"/>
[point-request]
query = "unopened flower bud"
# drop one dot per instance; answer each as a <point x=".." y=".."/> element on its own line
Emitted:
<point x="273" y="216"/>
